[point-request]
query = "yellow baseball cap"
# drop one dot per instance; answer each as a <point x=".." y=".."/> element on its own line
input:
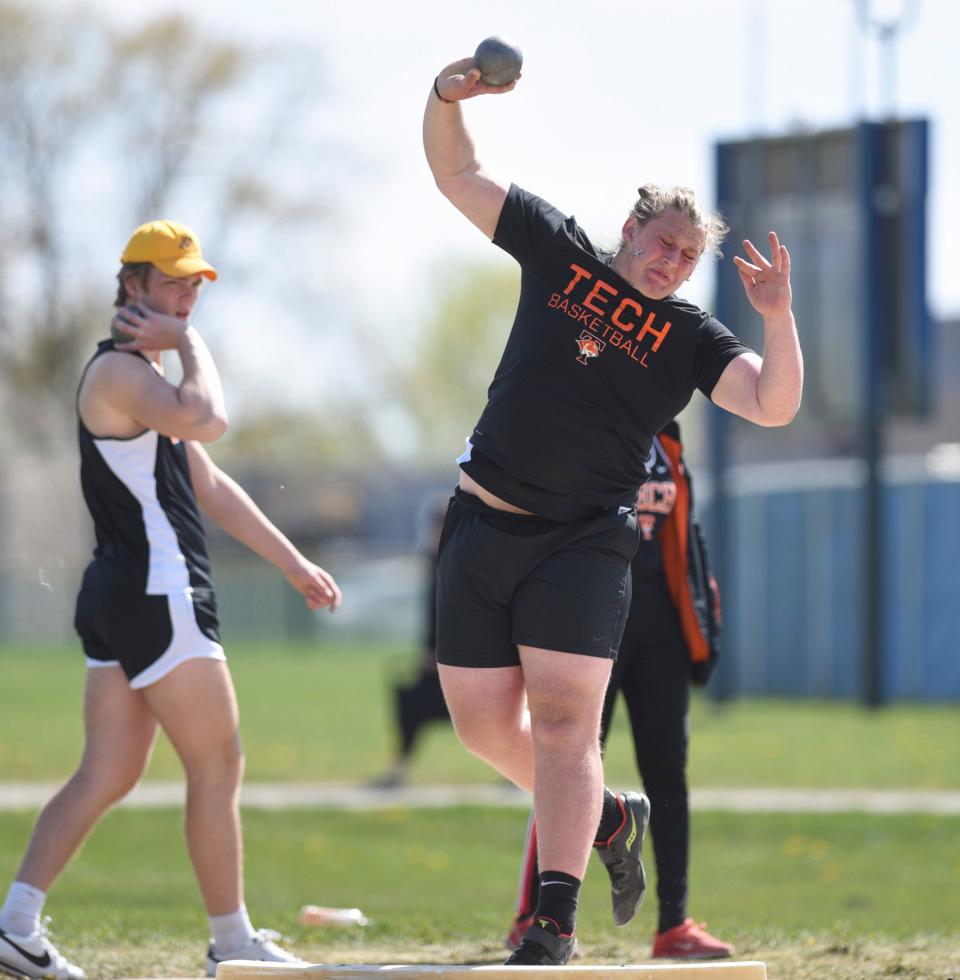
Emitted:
<point x="173" y="248"/>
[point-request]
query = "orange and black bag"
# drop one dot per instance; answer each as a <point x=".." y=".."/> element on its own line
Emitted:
<point x="686" y="563"/>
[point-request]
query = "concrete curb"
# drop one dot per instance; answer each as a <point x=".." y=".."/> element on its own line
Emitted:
<point x="337" y="796"/>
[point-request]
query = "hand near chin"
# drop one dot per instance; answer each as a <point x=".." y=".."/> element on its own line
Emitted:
<point x="148" y="329"/>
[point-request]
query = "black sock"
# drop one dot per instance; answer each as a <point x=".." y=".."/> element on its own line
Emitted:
<point x="559" y="894"/>
<point x="611" y="817"/>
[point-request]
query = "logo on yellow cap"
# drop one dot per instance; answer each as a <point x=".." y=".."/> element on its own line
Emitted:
<point x="173" y="248"/>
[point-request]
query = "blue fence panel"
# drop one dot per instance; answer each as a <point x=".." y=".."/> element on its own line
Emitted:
<point x="940" y="617"/>
<point x="745" y="603"/>
<point x="793" y="607"/>
<point x="785" y="564"/>
<point x="819" y="588"/>
<point x="847" y="627"/>
<point x="903" y="517"/>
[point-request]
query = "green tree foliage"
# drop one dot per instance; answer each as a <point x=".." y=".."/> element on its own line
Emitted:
<point x="101" y="129"/>
<point x="285" y="437"/>
<point x="443" y="384"/>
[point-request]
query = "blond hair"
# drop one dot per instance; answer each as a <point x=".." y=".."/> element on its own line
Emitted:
<point x="654" y="200"/>
<point x="139" y="269"/>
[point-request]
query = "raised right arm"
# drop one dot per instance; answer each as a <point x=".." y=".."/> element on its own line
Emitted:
<point x="130" y="387"/>
<point x="450" y="151"/>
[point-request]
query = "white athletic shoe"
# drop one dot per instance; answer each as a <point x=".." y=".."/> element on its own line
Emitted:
<point x="35" y="956"/>
<point x="262" y="947"/>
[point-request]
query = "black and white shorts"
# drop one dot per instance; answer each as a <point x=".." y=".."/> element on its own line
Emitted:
<point x="147" y="635"/>
<point x="505" y="580"/>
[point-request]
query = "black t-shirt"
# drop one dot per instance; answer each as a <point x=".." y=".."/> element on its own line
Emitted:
<point x="592" y="370"/>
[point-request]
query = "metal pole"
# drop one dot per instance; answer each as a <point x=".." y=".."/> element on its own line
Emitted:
<point x="887" y="30"/>
<point x="876" y="149"/>
<point x="873" y="552"/>
<point x="888" y="71"/>
<point x="725" y="681"/>
<point x="877" y="144"/>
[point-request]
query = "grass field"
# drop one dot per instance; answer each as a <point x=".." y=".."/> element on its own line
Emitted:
<point x="814" y="896"/>
<point x="323" y="714"/>
<point x="819" y="896"/>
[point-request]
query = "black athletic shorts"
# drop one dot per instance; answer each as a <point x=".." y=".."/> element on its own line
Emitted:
<point x="505" y="580"/>
<point x="147" y="635"/>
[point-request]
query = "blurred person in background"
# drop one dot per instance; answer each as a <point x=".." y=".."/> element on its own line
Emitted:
<point x="419" y="700"/>
<point x="669" y="642"/>
<point x="533" y="576"/>
<point x="146" y="612"/>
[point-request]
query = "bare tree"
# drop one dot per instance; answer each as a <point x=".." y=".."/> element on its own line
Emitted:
<point x="141" y="117"/>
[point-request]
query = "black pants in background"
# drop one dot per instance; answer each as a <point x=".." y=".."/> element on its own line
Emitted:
<point x="416" y="703"/>
<point x="652" y="671"/>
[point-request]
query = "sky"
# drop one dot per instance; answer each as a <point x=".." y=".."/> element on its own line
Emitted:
<point x="613" y="94"/>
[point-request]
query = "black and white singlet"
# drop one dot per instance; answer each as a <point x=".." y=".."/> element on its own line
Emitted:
<point x="147" y="597"/>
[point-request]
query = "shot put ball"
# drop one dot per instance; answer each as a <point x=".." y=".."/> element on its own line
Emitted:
<point x="499" y="61"/>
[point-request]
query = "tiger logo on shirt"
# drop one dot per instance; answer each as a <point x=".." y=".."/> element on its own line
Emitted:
<point x="589" y="346"/>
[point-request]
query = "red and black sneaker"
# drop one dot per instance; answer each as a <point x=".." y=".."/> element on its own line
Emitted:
<point x="542" y="945"/>
<point x="517" y="931"/>
<point x="689" y="941"/>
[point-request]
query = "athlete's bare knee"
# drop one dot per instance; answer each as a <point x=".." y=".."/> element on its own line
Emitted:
<point x="484" y="735"/>
<point x="560" y="724"/>
<point x="102" y="785"/>
<point x="475" y="736"/>
<point x="219" y="766"/>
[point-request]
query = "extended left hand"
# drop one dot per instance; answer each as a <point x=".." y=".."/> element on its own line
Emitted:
<point x="767" y="283"/>
<point x="316" y="585"/>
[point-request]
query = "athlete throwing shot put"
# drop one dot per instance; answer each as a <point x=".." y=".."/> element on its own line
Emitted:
<point x="533" y="575"/>
<point x="146" y="612"/>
